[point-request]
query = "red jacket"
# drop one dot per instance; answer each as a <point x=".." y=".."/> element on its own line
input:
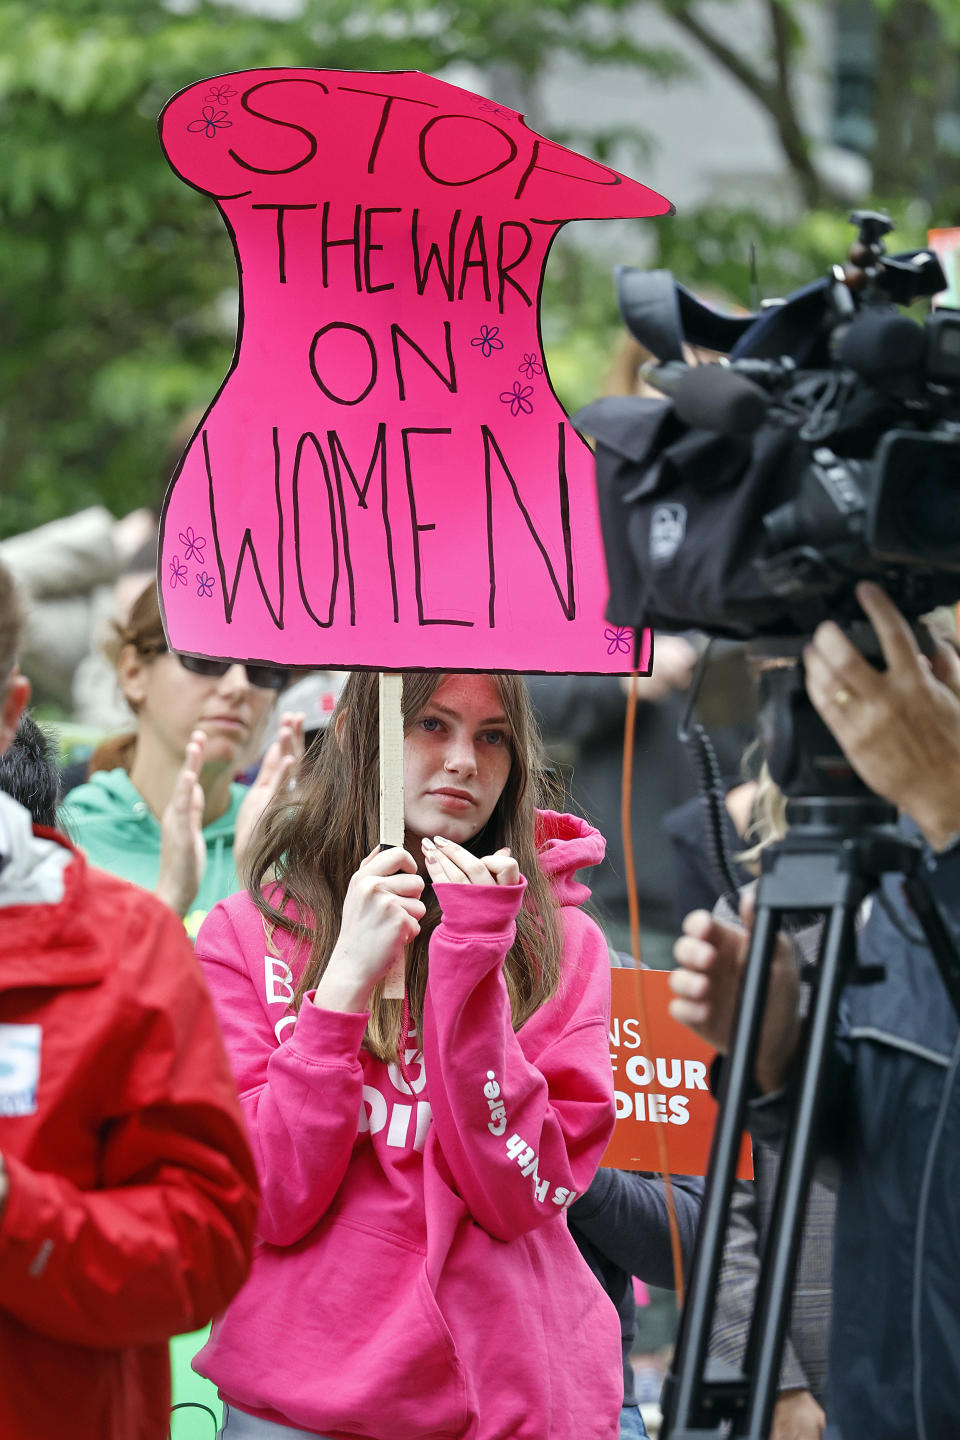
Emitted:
<point x="132" y="1194"/>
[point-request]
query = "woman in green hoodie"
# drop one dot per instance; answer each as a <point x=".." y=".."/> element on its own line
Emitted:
<point x="161" y="806"/>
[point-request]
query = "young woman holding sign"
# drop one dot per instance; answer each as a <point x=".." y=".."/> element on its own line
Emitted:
<point x="415" y="1276"/>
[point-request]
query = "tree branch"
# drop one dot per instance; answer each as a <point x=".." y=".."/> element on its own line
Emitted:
<point x="733" y="62"/>
<point x="773" y="92"/>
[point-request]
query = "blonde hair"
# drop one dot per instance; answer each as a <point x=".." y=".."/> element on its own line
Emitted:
<point x="144" y="631"/>
<point x="768" y="820"/>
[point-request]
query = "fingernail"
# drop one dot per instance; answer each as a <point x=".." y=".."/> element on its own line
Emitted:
<point x="439" y="840"/>
<point x="426" y="843"/>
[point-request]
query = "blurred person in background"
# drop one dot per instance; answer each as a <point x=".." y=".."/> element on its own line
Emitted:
<point x="582" y="718"/>
<point x="66" y="572"/>
<point x="314" y="696"/>
<point x="127" y="1189"/>
<point x="162" y="806"/>
<point x="30" y="773"/>
<point x="622" y="1229"/>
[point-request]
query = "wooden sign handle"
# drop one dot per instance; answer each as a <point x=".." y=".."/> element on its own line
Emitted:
<point x="391" y="795"/>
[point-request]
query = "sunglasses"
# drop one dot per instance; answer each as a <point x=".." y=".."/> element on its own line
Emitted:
<point x="262" y="677"/>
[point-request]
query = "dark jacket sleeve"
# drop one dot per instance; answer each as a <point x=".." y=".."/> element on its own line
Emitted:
<point x="769" y="1115"/>
<point x="624" y="1214"/>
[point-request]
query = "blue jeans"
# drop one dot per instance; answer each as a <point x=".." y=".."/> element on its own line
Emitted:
<point x="631" y="1423"/>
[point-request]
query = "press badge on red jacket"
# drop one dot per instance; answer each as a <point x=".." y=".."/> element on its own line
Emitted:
<point x="19" y="1068"/>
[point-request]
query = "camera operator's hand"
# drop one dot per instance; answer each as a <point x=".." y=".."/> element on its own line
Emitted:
<point x="899" y="728"/>
<point x="710" y="956"/>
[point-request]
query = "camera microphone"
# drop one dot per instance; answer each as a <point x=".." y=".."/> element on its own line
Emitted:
<point x="882" y="345"/>
<point x="711" y="397"/>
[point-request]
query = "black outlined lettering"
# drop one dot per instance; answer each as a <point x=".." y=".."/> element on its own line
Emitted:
<point x="384" y="116"/>
<point x="351" y="241"/>
<point x="478" y="239"/>
<point x="281" y="244"/>
<point x="418" y="529"/>
<point x="315" y="372"/>
<point x="230" y="596"/>
<point x="339" y="457"/>
<point x="613" y="177"/>
<point x="286" y="124"/>
<point x="334" y="546"/>
<point x="566" y="596"/>
<point x="433" y="256"/>
<point x="470" y="120"/>
<point x="450" y="379"/>
<point x="504" y="276"/>
<point x="368" y="245"/>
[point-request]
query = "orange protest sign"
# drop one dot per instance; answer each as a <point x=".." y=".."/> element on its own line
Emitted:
<point x="661" y="1081"/>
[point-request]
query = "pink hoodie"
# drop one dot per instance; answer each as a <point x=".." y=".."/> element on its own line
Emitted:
<point x="415" y="1277"/>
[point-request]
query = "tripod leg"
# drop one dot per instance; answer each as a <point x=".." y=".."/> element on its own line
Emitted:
<point x="682" y="1394"/>
<point x="771" y="1314"/>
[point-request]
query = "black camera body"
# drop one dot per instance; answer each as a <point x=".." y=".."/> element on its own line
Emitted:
<point x="750" y="500"/>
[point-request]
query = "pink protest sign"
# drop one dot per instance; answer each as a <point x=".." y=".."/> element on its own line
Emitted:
<point x="385" y="479"/>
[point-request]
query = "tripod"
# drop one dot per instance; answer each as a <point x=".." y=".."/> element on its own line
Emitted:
<point x="842" y="839"/>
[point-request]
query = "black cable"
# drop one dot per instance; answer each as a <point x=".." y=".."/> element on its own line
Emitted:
<point x="703" y="757"/>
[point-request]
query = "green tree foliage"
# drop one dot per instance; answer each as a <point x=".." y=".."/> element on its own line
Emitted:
<point x="110" y="271"/>
<point x="117" y="282"/>
<point x="914" y="50"/>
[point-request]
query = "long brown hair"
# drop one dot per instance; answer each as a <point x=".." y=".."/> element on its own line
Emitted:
<point x="312" y="842"/>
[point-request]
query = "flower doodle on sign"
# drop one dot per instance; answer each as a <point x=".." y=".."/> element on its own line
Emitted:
<point x="530" y="365"/>
<point x="212" y="121"/>
<point x="619" y="640"/>
<point x="518" y="399"/>
<point x="488" y="340"/>
<point x="178" y="572"/>
<point x="219" y="94"/>
<point x="193" y="545"/>
<point x="204" y="585"/>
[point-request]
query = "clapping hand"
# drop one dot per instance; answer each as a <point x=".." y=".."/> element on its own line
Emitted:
<point x="183" y="851"/>
<point x="276" y="770"/>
